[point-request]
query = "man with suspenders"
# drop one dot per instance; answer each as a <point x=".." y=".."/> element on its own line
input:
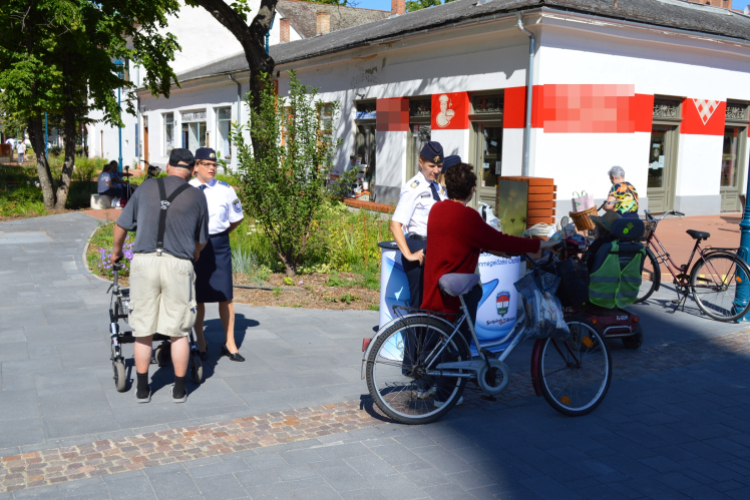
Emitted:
<point x="171" y="218"/>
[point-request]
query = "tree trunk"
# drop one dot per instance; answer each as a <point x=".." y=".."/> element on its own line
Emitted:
<point x="36" y="136"/>
<point x="69" y="138"/>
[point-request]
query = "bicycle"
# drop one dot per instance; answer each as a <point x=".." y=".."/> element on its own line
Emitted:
<point x="412" y="351"/>
<point x="711" y="281"/>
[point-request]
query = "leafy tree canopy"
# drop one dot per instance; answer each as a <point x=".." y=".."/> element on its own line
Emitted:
<point x="412" y="5"/>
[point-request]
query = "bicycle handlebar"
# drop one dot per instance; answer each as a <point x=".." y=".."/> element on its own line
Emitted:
<point x="676" y="213"/>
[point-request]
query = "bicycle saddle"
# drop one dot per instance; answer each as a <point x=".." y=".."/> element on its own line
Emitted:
<point x="698" y="235"/>
<point x="457" y="284"/>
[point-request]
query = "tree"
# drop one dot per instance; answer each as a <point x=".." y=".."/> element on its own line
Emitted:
<point x="412" y="5"/>
<point x="58" y="56"/>
<point x="283" y="180"/>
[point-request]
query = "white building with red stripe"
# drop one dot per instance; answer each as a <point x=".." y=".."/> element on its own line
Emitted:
<point x="658" y="87"/>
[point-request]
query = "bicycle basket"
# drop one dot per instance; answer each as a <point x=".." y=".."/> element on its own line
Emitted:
<point x="650" y="228"/>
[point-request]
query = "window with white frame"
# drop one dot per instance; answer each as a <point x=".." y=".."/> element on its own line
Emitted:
<point x="168" y="133"/>
<point x="223" y="128"/>
<point x="194" y="129"/>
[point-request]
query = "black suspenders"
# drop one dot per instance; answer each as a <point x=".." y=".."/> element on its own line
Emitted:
<point x="164" y="204"/>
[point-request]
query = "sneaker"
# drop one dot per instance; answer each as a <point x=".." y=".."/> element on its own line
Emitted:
<point x="426" y="393"/>
<point x="438" y="404"/>
<point x="143" y="400"/>
<point x="180" y="400"/>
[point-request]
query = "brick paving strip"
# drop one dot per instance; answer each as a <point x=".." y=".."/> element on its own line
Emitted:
<point x="29" y="470"/>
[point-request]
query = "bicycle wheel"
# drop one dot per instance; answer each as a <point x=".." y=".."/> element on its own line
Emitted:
<point x="396" y="371"/>
<point x="651" y="277"/>
<point x="576" y="373"/>
<point x="713" y="282"/>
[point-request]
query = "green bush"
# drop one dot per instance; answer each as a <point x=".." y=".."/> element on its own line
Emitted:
<point x="340" y="240"/>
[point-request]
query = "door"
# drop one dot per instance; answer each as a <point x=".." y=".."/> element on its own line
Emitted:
<point x="145" y="141"/>
<point x="488" y="161"/>
<point x="662" y="161"/>
<point x="731" y="168"/>
<point x="365" y="155"/>
<point x="185" y="136"/>
<point x="420" y="135"/>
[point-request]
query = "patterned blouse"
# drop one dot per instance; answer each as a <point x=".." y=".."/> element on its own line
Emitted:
<point x="626" y="198"/>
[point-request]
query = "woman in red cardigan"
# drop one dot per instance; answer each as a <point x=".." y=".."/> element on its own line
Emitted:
<point x="456" y="235"/>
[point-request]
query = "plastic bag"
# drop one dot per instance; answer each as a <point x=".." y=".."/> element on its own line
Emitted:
<point x="544" y="315"/>
<point x="582" y="201"/>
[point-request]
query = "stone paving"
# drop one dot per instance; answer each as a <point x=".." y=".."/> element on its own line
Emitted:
<point x="674" y="424"/>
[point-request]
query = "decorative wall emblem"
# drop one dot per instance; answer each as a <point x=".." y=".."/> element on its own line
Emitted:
<point x="706" y="108"/>
<point x="446" y="113"/>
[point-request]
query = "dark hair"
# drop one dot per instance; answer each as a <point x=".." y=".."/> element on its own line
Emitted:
<point x="459" y="179"/>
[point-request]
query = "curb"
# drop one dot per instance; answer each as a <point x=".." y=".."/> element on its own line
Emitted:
<point x="86" y="251"/>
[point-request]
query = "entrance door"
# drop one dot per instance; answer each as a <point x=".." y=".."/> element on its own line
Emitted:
<point x="419" y="136"/>
<point x="488" y="161"/>
<point x="365" y="151"/>
<point x="662" y="161"/>
<point x="185" y="136"/>
<point x="731" y="168"/>
<point x="145" y="140"/>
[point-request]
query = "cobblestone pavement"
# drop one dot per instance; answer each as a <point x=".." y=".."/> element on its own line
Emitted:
<point x="298" y="423"/>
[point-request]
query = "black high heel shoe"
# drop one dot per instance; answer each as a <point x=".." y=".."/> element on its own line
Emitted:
<point x="232" y="356"/>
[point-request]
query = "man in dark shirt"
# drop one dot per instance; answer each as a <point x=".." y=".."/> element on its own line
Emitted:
<point x="162" y="290"/>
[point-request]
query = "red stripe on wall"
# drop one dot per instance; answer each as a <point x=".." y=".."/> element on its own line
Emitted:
<point x="642" y="112"/>
<point x="392" y="114"/>
<point x="514" y="107"/>
<point x="450" y="111"/>
<point x="703" y="116"/>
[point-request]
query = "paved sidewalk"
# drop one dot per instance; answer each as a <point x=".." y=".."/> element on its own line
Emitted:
<point x="674" y="424"/>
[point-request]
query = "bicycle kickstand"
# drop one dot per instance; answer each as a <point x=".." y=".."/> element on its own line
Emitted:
<point x="680" y="301"/>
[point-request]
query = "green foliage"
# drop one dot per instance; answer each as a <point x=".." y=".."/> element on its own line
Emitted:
<point x="57" y="56"/>
<point x="20" y="195"/>
<point x="335" y="280"/>
<point x="283" y="182"/>
<point x="412" y="5"/>
<point x="288" y="281"/>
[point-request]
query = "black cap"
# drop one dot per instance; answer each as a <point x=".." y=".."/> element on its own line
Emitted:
<point x="205" y="154"/>
<point x="432" y="152"/>
<point x="181" y="155"/>
<point x="449" y="162"/>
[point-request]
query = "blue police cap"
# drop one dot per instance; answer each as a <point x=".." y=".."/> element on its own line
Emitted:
<point x="432" y="152"/>
<point x="205" y="154"/>
<point x="449" y="162"/>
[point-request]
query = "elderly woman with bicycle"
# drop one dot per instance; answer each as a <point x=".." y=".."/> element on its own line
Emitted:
<point x="622" y="197"/>
<point x="456" y="236"/>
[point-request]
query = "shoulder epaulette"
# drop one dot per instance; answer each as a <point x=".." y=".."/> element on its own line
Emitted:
<point x="223" y="183"/>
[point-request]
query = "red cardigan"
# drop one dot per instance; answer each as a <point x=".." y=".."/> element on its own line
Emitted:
<point x="456" y="235"/>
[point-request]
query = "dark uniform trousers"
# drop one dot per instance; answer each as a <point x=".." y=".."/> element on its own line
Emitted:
<point x="414" y="272"/>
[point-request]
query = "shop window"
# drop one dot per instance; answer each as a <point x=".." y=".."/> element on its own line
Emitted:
<point x="223" y="131"/>
<point x="733" y="155"/>
<point x="168" y="133"/>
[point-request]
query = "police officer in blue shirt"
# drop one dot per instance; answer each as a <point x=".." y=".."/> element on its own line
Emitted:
<point x="213" y="270"/>
<point x="418" y="196"/>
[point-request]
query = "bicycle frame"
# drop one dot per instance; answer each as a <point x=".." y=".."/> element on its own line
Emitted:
<point x="679" y="272"/>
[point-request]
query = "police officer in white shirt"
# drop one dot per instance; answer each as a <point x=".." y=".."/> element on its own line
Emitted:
<point x="213" y="270"/>
<point x="418" y="196"/>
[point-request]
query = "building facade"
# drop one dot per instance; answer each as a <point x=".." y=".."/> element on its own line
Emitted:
<point x="658" y="87"/>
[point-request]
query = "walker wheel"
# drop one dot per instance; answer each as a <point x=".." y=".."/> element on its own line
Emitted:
<point x="636" y="340"/>
<point x="121" y="379"/>
<point x="163" y="355"/>
<point x="196" y="368"/>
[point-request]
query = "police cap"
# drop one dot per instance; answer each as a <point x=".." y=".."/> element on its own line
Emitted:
<point x="181" y="155"/>
<point x="205" y="154"/>
<point x="432" y="152"/>
<point x="449" y="162"/>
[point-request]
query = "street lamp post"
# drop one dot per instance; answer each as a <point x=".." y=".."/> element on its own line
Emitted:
<point x="119" y="65"/>
<point x="742" y="293"/>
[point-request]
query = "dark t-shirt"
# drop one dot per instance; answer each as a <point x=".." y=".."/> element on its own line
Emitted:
<point x="187" y="218"/>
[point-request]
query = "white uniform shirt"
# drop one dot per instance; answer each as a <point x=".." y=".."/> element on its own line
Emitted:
<point x="224" y="207"/>
<point x="415" y="204"/>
